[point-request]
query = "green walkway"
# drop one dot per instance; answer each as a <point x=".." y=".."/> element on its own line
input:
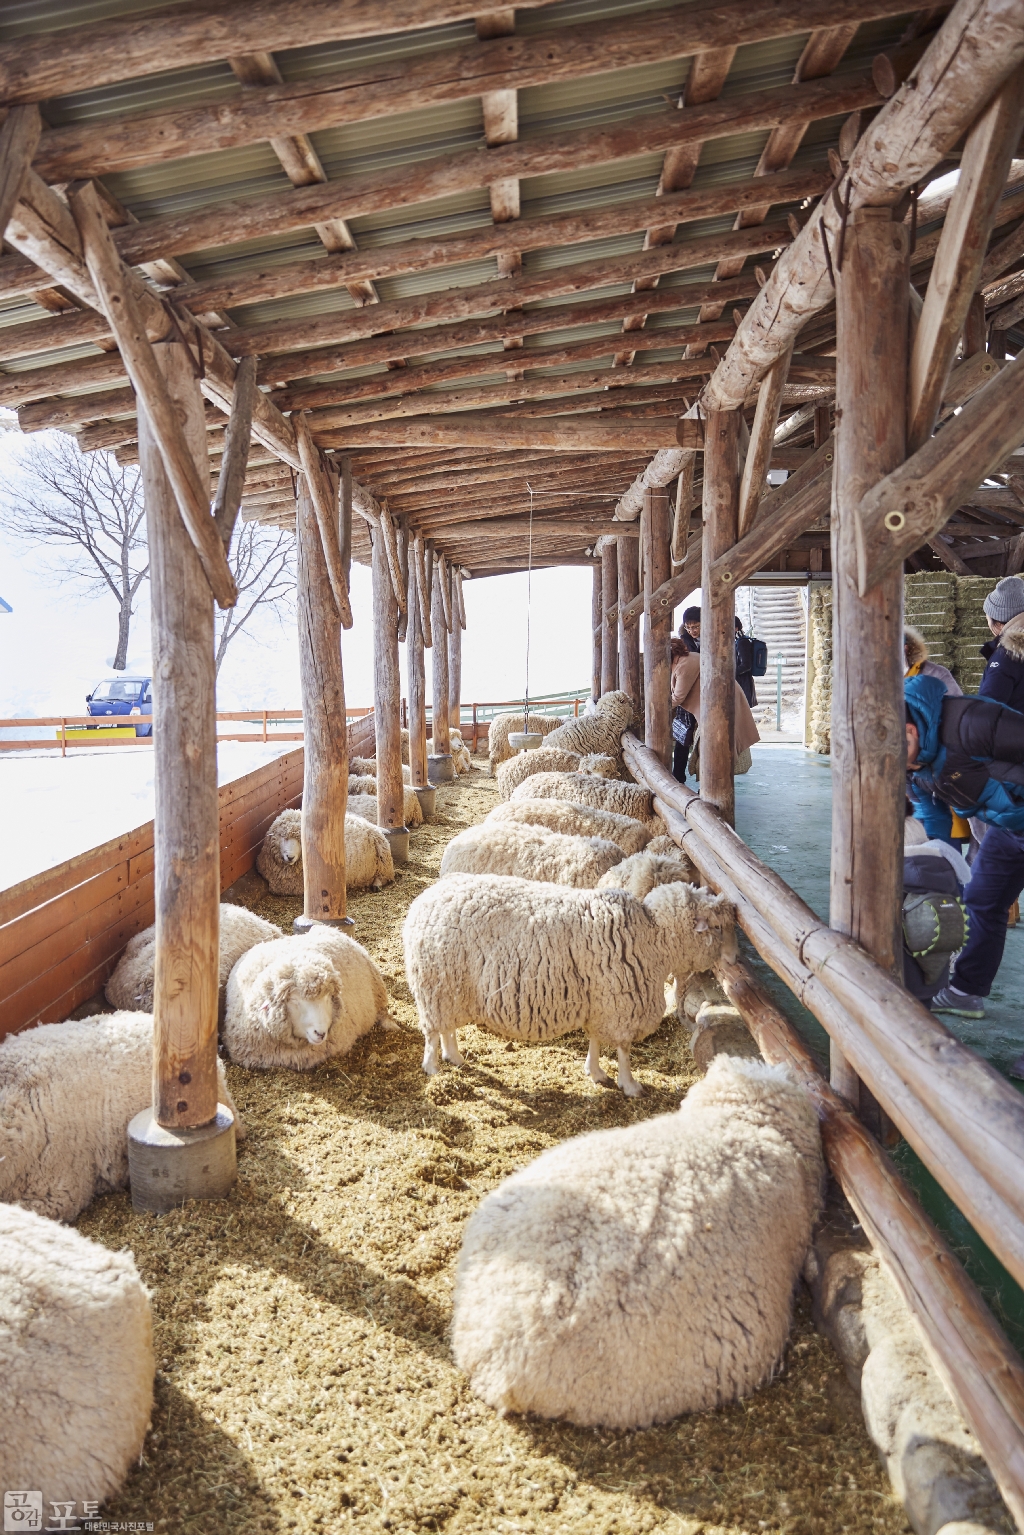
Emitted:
<point x="783" y="812"/>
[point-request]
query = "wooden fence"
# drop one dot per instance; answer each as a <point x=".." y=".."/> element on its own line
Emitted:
<point x="78" y="730"/>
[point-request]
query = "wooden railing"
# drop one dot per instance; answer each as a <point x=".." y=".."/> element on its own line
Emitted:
<point x="963" y="1119"/>
<point x="112" y="730"/>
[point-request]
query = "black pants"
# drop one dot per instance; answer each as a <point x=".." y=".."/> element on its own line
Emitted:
<point x="681" y="749"/>
<point x="997" y="879"/>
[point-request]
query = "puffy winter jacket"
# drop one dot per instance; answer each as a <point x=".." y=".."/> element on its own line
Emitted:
<point x="971" y="755"/>
<point x="1004" y="674"/>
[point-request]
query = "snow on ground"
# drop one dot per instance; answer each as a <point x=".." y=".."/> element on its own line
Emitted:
<point x="57" y="807"/>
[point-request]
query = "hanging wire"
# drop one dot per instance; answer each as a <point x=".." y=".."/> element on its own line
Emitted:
<point x="529" y="599"/>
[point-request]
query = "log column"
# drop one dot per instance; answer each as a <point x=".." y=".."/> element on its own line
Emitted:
<point x="387" y="703"/>
<point x="417" y="695"/>
<point x="609" y="634"/>
<point x="455" y="666"/>
<point x="718" y="614"/>
<point x="597" y="628"/>
<point x="439" y="765"/>
<point x="627" y="552"/>
<point x="655" y="535"/>
<point x="325" y="768"/>
<point x="184" y="1146"/>
<point x="868" y="738"/>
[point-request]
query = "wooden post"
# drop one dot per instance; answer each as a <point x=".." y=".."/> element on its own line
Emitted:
<point x="325" y="774"/>
<point x="597" y="627"/>
<point x="628" y="638"/>
<point x="655" y="536"/>
<point x="455" y="666"/>
<point x="718" y="612"/>
<point x="387" y="701"/>
<point x="609" y="634"/>
<point x="417" y="682"/>
<point x="868" y="750"/>
<point x="440" y="765"/>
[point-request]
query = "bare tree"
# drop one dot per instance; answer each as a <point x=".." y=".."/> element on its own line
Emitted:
<point x="262" y="560"/>
<point x="92" y="507"/>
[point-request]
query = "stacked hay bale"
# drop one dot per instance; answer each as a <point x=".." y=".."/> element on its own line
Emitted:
<point x="929" y="605"/>
<point x="971" y="631"/>
<point x="820" y="613"/>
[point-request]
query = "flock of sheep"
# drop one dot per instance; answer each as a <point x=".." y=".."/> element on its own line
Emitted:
<point x="622" y="1278"/>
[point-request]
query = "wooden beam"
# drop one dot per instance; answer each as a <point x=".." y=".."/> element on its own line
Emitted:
<point x="784" y="514"/>
<point x="439" y="666"/>
<point x="19" y="136"/>
<point x="418" y="562"/>
<point x="627" y="556"/>
<point x="231" y="480"/>
<point x="581" y="530"/>
<point x="762" y="440"/>
<point x="600" y="433"/>
<point x="670" y="593"/>
<point x="387" y="691"/>
<point x="416" y="675"/>
<point x="609" y="605"/>
<point x="597" y="636"/>
<point x="324" y="501"/>
<point x="391" y="552"/>
<point x="655" y="534"/>
<point x="718" y="632"/>
<point x="958" y="261"/>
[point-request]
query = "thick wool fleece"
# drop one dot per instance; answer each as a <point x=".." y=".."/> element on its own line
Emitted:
<point x="532" y="962"/>
<point x="585" y="789"/>
<point x="504" y="725"/>
<point x="530" y="852"/>
<point x="526" y="765"/>
<point x="258" y="1025"/>
<point x="645" y="871"/>
<point x="368" y="860"/>
<point x="131" y="985"/>
<point x="67" y="1094"/>
<point x="598" y="732"/>
<point x="76" y="1360"/>
<point x="365" y="805"/>
<point x="576" y="821"/>
<point x="631" y="1275"/>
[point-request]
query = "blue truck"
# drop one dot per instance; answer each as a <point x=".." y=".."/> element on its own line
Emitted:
<point x="117" y="697"/>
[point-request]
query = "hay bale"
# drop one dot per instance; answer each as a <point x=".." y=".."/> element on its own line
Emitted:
<point x="821" y="655"/>
<point x="929" y="605"/>
<point x="971" y="630"/>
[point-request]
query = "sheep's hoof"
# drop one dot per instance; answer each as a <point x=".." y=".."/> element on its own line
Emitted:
<point x="388" y="1024"/>
<point x="431" y="1065"/>
<point x="450" y="1050"/>
<point x="632" y="1088"/>
<point x="598" y="1077"/>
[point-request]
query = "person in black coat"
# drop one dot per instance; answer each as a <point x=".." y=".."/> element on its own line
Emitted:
<point x="745" y="665"/>
<point x="1004" y="674"/>
<point x="684" y="726"/>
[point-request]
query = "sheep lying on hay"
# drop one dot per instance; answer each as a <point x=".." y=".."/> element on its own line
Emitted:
<point x="67" y="1094"/>
<point x="76" y="1360"/>
<point x="365" y="780"/>
<point x="598" y="732"/>
<point x="627" y="1276"/>
<point x="530" y="852"/>
<point x="549" y="759"/>
<point x="576" y="821"/>
<point x="603" y="793"/>
<point x="365" y="805"/>
<point x="131" y="985"/>
<point x="532" y="962"/>
<point x="644" y="872"/>
<point x="462" y="762"/>
<point x="299" y="1001"/>
<point x="368" y="860"/>
<point x="504" y="725"/>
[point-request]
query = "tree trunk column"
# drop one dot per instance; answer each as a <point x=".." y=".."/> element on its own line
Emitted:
<point x="655" y="534"/>
<point x="184" y="1146"/>
<point x="440" y="764"/>
<point x="627" y="551"/>
<point x="455" y="668"/>
<point x="718" y="614"/>
<point x="417" y="696"/>
<point x="597" y="627"/>
<point x="868" y="738"/>
<point x="325" y="767"/>
<point x="609" y="634"/>
<point x="387" y="704"/>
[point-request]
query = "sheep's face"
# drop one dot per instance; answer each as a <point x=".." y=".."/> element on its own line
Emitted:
<point x="291" y="849"/>
<point x="311" y="1017"/>
<point x="700" y="928"/>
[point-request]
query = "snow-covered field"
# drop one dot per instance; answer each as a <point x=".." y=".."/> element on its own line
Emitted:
<point x="57" y="807"/>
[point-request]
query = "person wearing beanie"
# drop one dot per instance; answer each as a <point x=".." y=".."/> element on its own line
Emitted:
<point x="1004" y="673"/>
<point x="919" y="664"/>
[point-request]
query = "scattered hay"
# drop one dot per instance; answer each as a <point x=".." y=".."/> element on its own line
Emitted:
<point x="305" y="1381"/>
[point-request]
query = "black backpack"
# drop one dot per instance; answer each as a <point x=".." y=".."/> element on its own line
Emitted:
<point x="758" y="657"/>
<point x="935" y="923"/>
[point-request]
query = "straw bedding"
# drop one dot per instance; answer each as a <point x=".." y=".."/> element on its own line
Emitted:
<point x="305" y="1381"/>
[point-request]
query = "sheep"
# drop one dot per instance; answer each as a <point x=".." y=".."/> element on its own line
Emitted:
<point x="530" y="852"/>
<point x="362" y="783"/>
<point x="131" y="985"/>
<point x="528" y="764"/>
<point x="531" y="961"/>
<point x="299" y="1001"/>
<point x="575" y="821"/>
<point x="631" y="1275"/>
<point x="587" y="789"/>
<point x="360" y="766"/>
<point x="504" y="725"/>
<point x="365" y="805"/>
<point x="67" y="1094"/>
<point x="666" y="846"/>
<point x="601" y="731"/>
<point x="76" y="1360"/>
<point x="368" y="860"/>
<point x="644" y="872"/>
<point x="461" y="757"/>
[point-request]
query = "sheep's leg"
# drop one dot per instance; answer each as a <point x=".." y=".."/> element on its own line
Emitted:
<point x="592" y="1066"/>
<point x="629" y="1084"/>
<point x="387" y="1023"/>
<point x="431" y="1064"/>
<point x="450" y="1048"/>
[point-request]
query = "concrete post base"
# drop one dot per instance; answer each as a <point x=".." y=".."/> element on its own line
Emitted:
<point x="441" y="769"/>
<point x="166" y="1167"/>
<point x="427" y="797"/>
<point x="303" y="924"/>
<point x="398" y="837"/>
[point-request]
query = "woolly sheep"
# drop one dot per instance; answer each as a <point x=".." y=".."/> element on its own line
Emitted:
<point x="530" y="852"/>
<point x="586" y="789"/>
<point x="532" y="962"/>
<point x="131" y="985"/>
<point x="368" y="860"/>
<point x="365" y="805"/>
<point x="665" y="845"/>
<point x="461" y="758"/>
<point x="504" y="725"/>
<point x="645" y="871"/>
<point x="363" y="766"/>
<point x="76" y="1360"/>
<point x="67" y="1094"/>
<point x="299" y="1001"/>
<point x="598" y="732"/>
<point x="576" y="821"/>
<point x="365" y="781"/>
<point x="627" y="1276"/>
<point x="528" y="764"/>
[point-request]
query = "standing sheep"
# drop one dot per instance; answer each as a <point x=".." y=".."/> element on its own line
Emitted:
<point x="67" y="1094"/>
<point x="365" y="805"/>
<point x="532" y="962"/>
<point x="587" y="789"/>
<point x="368" y="860"/>
<point x="530" y="852"/>
<point x="76" y="1360"/>
<point x="548" y="759"/>
<point x="299" y="1001"/>
<point x="630" y="1275"/>
<point x="575" y="821"/>
<point x="131" y="985"/>
<point x="645" y="871"/>
<point x="598" y="732"/>
<point x="461" y="759"/>
<point x="504" y="725"/>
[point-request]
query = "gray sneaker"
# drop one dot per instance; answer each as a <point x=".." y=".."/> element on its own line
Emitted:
<point x="949" y="1000"/>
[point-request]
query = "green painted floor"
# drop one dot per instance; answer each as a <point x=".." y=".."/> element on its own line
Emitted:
<point x="783" y="812"/>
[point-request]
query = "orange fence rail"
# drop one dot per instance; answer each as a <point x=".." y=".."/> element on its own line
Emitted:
<point x="112" y="731"/>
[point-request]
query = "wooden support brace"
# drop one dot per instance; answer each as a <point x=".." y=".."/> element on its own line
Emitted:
<point x="391" y="551"/>
<point x="322" y="493"/>
<point x="419" y="564"/>
<point x="231" y="481"/>
<point x="717" y="650"/>
<point x="460" y="601"/>
<point x="402" y="538"/>
<point x="685" y="507"/>
<point x="446" y="596"/>
<point x="671" y="592"/>
<point x="784" y="515"/>
<point x="19" y="137"/>
<point x="345" y="521"/>
<point x="762" y="436"/>
<point x="655" y="539"/>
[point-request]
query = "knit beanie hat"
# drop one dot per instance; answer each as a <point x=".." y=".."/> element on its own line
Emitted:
<point x="1006" y="599"/>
